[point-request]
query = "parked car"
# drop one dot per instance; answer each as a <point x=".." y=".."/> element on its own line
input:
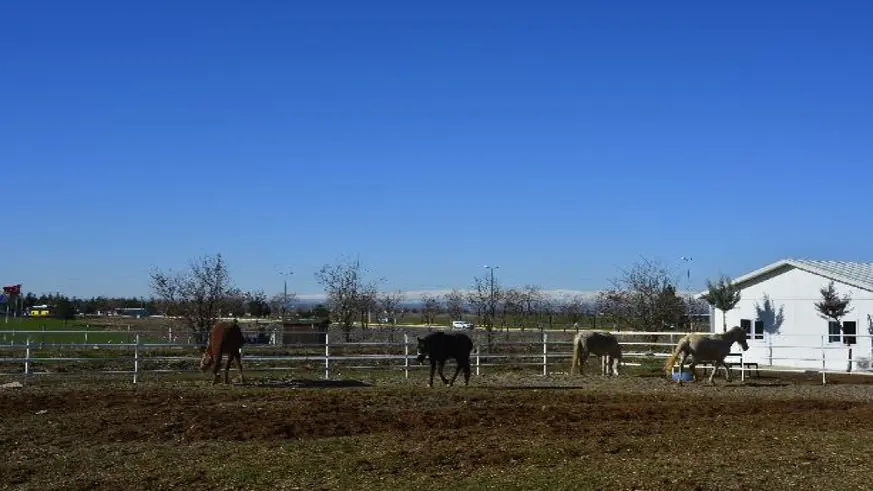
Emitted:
<point x="462" y="326"/>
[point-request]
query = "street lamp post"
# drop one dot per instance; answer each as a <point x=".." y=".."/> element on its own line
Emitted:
<point x="285" y="292"/>
<point x="493" y="309"/>
<point x="688" y="260"/>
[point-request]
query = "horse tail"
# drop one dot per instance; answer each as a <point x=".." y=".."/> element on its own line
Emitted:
<point x="675" y="355"/>
<point x="577" y="347"/>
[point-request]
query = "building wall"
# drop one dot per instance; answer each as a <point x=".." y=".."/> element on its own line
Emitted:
<point x="793" y="331"/>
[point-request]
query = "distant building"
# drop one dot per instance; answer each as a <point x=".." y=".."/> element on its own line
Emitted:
<point x="40" y="311"/>
<point x="137" y="312"/>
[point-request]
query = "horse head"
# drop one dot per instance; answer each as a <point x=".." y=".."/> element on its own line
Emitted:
<point x="206" y="360"/>
<point x="738" y="335"/>
<point x="421" y="352"/>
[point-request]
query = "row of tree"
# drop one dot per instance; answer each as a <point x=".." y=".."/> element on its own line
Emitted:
<point x="644" y="297"/>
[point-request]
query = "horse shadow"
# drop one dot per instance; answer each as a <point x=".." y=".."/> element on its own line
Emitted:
<point x="772" y="318"/>
<point x="309" y="384"/>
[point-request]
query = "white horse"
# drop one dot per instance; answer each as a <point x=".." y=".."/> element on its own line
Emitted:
<point x="712" y="347"/>
<point x="600" y="343"/>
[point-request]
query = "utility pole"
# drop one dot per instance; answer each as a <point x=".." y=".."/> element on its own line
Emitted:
<point x="285" y="292"/>
<point x="688" y="260"/>
<point x="493" y="307"/>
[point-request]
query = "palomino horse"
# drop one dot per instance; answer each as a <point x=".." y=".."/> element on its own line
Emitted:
<point x="712" y="347"/>
<point x="439" y="346"/>
<point x="599" y="343"/>
<point x="225" y="338"/>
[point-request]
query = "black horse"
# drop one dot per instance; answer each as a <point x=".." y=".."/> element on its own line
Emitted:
<point x="440" y="346"/>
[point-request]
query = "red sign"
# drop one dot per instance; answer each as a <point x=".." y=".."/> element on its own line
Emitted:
<point x="12" y="289"/>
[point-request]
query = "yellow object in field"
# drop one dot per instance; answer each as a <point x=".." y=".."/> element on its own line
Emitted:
<point x="40" y="311"/>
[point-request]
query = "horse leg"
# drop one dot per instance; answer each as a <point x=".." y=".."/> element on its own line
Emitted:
<point x="432" y="369"/>
<point x="582" y="360"/>
<point x="714" y="370"/>
<point x="457" y="371"/>
<point x="442" y="365"/>
<point x="216" y="368"/>
<point x="614" y="365"/>
<point x="467" y="372"/>
<point x="239" y="365"/>
<point x="575" y="359"/>
<point x="727" y="371"/>
<point x="227" y="369"/>
<point x="681" y="368"/>
<point x="693" y="367"/>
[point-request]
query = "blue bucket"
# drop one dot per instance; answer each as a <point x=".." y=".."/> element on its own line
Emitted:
<point x="685" y="376"/>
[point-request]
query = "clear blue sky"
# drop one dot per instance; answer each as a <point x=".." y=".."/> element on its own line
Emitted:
<point x="558" y="140"/>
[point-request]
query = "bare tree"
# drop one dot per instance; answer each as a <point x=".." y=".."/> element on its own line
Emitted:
<point x="644" y="298"/>
<point x="389" y="304"/>
<point x="367" y="303"/>
<point x="695" y="307"/>
<point x="347" y="291"/>
<point x="430" y="308"/>
<point x="479" y="299"/>
<point x="484" y="298"/>
<point x="546" y="307"/>
<point x="454" y="301"/>
<point x="531" y="295"/>
<point x="197" y="295"/>
<point x="512" y="306"/>
<point x="573" y="309"/>
<point x="281" y="302"/>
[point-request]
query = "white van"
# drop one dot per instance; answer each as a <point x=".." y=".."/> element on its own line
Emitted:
<point x="462" y="326"/>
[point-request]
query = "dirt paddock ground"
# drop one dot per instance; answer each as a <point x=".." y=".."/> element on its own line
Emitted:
<point x="509" y="431"/>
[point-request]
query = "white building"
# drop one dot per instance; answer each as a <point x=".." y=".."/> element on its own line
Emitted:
<point x="777" y="310"/>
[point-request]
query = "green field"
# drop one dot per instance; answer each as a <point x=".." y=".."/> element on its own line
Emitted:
<point x="51" y="331"/>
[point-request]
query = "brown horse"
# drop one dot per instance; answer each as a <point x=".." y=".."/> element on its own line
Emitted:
<point x="225" y="338"/>
<point x="700" y="348"/>
<point x="601" y="343"/>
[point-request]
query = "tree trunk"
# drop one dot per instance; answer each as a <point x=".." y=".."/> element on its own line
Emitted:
<point x="724" y="321"/>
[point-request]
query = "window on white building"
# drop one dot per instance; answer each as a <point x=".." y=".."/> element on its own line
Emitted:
<point x="833" y="332"/>
<point x="759" y="330"/>
<point x="753" y="330"/>
<point x="746" y="324"/>
<point x="846" y="335"/>
<point x="850" y="329"/>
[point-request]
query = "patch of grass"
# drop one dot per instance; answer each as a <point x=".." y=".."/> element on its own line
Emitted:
<point x="45" y="331"/>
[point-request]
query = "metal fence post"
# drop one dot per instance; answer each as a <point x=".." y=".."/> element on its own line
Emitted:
<point x="545" y="354"/>
<point x="136" y="359"/>
<point x="406" y="355"/>
<point x="477" y="361"/>
<point x="86" y="337"/>
<point x="823" y="362"/>
<point x="27" y="358"/>
<point x="326" y="357"/>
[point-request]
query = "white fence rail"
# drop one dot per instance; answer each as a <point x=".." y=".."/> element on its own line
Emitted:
<point x="808" y="354"/>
